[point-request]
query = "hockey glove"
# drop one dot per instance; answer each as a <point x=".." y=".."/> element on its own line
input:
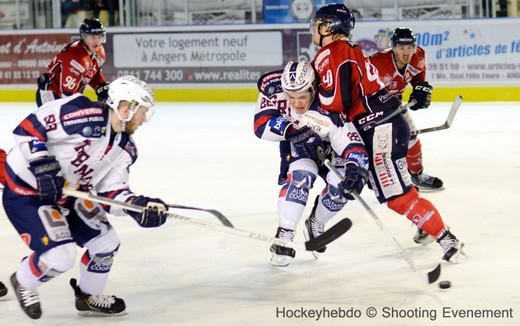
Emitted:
<point x="49" y="179"/>
<point x="354" y="181"/>
<point x="305" y="142"/>
<point x="102" y="92"/>
<point x="43" y="81"/>
<point x="422" y="93"/>
<point x="154" y="212"/>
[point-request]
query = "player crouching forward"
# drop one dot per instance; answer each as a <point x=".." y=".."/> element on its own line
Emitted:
<point x="86" y="144"/>
<point x="288" y="110"/>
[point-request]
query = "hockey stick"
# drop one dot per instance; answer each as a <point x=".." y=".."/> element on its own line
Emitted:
<point x="223" y="219"/>
<point x="399" y="110"/>
<point x="432" y="275"/>
<point x="449" y="120"/>
<point x="319" y="242"/>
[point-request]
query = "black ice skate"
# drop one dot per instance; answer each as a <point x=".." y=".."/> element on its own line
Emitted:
<point x="422" y="237"/>
<point x="3" y="289"/>
<point x="452" y="247"/>
<point x="97" y="305"/>
<point x="426" y="182"/>
<point x="28" y="299"/>
<point x="313" y="228"/>
<point x="282" y="256"/>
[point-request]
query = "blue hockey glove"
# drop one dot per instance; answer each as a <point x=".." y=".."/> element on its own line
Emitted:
<point x="354" y="181"/>
<point x="305" y="142"/>
<point x="49" y="179"/>
<point x="422" y="93"/>
<point x="154" y="214"/>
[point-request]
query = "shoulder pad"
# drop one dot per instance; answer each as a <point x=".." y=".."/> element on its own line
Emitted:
<point x="270" y="83"/>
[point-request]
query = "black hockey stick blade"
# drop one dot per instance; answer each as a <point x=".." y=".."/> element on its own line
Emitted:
<point x="223" y="219"/>
<point x="434" y="275"/>
<point x="334" y="232"/>
<point x="449" y="120"/>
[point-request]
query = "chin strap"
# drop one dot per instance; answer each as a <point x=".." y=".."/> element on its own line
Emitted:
<point x="322" y="36"/>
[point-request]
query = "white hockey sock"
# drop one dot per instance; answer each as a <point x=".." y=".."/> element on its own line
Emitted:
<point x="322" y="213"/>
<point x="26" y="277"/>
<point x="289" y="213"/>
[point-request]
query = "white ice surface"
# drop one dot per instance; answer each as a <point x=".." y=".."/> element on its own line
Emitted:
<point x="206" y="155"/>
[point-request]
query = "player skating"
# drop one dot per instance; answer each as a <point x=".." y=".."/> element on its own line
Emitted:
<point x="287" y="110"/>
<point x="403" y="64"/>
<point x="77" y="65"/>
<point x="350" y="84"/>
<point x="88" y="145"/>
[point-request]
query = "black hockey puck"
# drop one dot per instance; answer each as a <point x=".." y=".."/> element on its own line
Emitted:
<point x="445" y="284"/>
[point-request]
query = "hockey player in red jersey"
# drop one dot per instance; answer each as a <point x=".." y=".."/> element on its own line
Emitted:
<point x="350" y="84"/>
<point x="77" y="65"/>
<point x="403" y="64"/>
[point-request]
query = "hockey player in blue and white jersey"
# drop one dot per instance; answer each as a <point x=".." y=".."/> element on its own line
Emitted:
<point x="88" y="145"/>
<point x="288" y="110"/>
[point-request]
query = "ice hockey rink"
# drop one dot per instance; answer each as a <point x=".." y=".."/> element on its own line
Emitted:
<point x="206" y="155"/>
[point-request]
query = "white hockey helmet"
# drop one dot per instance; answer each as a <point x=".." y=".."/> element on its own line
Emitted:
<point x="131" y="89"/>
<point x="298" y="77"/>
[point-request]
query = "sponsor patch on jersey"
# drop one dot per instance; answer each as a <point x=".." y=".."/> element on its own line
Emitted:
<point x="270" y="83"/>
<point x="318" y="62"/>
<point x="37" y="146"/>
<point x="413" y="70"/>
<point x="81" y="113"/>
<point x="80" y="116"/>
<point x="77" y="66"/>
<point x="278" y="125"/>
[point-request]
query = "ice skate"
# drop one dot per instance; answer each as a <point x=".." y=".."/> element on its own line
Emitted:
<point x="313" y="228"/>
<point x="282" y="256"/>
<point x="422" y="237"/>
<point x="97" y="305"/>
<point x="452" y="247"/>
<point x="29" y="299"/>
<point x="426" y="182"/>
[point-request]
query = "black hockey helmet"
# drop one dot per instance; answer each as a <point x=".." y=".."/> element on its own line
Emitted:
<point x="403" y="35"/>
<point x="92" y="26"/>
<point x="337" y="16"/>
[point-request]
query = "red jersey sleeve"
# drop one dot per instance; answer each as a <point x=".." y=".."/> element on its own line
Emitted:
<point x="419" y="64"/>
<point x="346" y="77"/>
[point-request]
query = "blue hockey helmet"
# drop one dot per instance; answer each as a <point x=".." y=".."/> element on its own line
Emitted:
<point x="336" y="16"/>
